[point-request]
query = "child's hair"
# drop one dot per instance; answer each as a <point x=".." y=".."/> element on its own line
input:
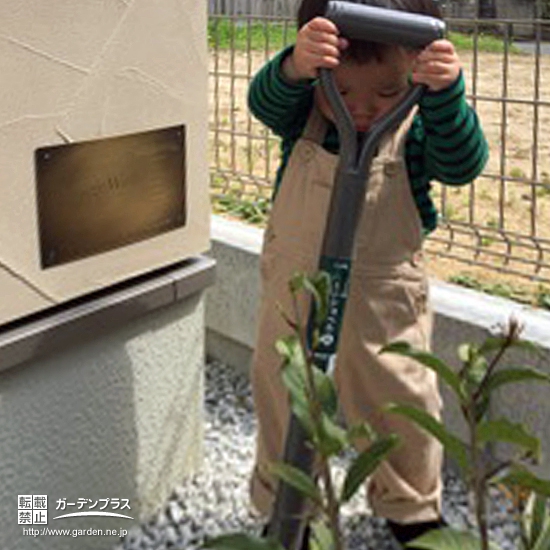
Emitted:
<point x="362" y="51"/>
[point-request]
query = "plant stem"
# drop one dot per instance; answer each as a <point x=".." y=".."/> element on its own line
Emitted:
<point x="311" y="393"/>
<point x="332" y="507"/>
<point x="508" y="342"/>
<point x="477" y="478"/>
<point x="481" y="513"/>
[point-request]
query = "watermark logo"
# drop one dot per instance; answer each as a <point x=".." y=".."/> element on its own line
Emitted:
<point x="32" y="509"/>
<point x="107" y="507"/>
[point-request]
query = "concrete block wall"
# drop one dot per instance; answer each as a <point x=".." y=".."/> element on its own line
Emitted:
<point x="461" y="315"/>
<point x="107" y="404"/>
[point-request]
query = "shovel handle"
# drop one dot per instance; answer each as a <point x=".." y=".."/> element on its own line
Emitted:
<point x="363" y="22"/>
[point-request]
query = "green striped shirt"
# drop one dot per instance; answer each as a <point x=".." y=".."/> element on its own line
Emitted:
<point x="445" y="142"/>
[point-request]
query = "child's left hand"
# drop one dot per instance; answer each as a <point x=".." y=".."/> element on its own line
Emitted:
<point x="437" y="66"/>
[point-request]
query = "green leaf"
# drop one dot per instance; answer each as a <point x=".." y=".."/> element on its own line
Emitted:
<point x="330" y="438"/>
<point x="543" y="542"/>
<point x="297" y="479"/>
<point x="465" y="352"/>
<point x="294" y="374"/>
<point x="297" y="282"/>
<point x="322" y="283"/>
<point x="513" y="375"/>
<point x="321" y="536"/>
<point x="284" y="347"/>
<point x="448" y="539"/>
<point x="242" y="541"/>
<point x="473" y="374"/>
<point x="300" y="282"/>
<point x="476" y="371"/>
<point x="294" y="366"/>
<point x="445" y="372"/>
<point x="298" y="400"/>
<point x="300" y="409"/>
<point x="318" y="286"/>
<point x="539" y="519"/>
<point x="502" y="377"/>
<point x="521" y="477"/>
<point x="326" y="392"/>
<point x="504" y="431"/>
<point x="454" y="446"/>
<point x="482" y="406"/>
<point x="293" y="377"/>
<point x="365" y="464"/>
<point x="361" y="430"/>
<point x="290" y="349"/>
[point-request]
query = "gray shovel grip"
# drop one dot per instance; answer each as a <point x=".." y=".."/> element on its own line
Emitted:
<point x="362" y="22"/>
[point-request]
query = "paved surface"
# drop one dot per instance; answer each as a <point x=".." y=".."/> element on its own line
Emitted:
<point x="530" y="47"/>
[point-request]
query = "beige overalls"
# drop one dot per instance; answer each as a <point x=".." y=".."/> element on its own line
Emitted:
<point x="387" y="301"/>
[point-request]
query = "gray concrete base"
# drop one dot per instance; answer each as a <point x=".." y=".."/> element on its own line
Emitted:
<point x="229" y="351"/>
<point x="112" y="422"/>
<point x="461" y="315"/>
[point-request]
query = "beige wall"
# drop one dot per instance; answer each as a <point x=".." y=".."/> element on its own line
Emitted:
<point x="80" y="70"/>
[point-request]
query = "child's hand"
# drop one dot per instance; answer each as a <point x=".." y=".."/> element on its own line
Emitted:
<point x="317" y="46"/>
<point x="437" y="66"/>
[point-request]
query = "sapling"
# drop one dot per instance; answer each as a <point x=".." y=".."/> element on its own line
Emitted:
<point x="314" y="401"/>
<point x="473" y="384"/>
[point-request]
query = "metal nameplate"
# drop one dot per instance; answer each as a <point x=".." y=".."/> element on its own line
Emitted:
<point x="100" y="195"/>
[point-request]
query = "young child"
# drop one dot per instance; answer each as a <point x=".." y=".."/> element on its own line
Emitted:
<point x="388" y="297"/>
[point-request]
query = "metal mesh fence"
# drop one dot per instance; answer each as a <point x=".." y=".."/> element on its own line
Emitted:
<point x="500" y="223"/>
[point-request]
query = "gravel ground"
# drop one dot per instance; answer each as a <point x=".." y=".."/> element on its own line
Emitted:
<point x="215" y="500"/>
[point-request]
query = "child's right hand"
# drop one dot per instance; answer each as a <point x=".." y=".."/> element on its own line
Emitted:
<point x="318" y="45"/>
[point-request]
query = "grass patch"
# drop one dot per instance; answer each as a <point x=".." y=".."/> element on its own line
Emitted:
<point x="241" y="35"/>
<point x="227" y="34"/>
<point x="250" y="211"/>
<point x="540" y="297"/>
<point x="485" y="43"/>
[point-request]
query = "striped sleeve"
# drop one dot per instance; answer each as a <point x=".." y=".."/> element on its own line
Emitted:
<point x="455" y="148"/>
<point x="282" y="106"/>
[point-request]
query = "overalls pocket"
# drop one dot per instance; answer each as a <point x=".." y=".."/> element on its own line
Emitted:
<point x="394" y="308"/>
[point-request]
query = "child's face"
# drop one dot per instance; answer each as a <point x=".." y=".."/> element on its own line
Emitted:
<point x="372" y="89"/>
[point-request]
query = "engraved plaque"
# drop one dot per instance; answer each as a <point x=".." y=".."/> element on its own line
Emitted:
<point x="100" y="195"/>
